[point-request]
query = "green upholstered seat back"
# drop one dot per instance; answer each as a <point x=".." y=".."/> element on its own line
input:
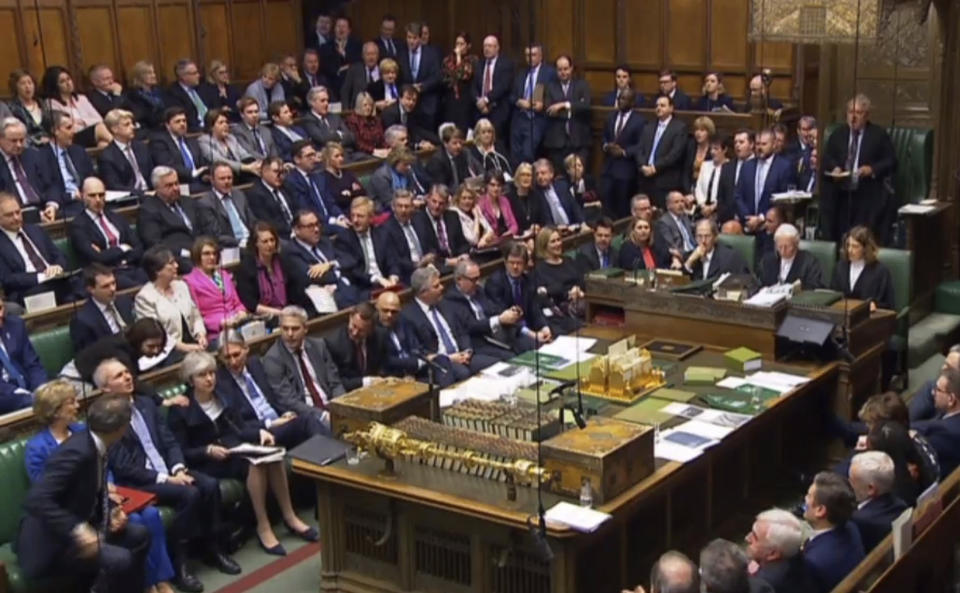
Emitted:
<point x="365" y="182"/>
<point x="63" y="244"/>
<point x="826" y="254"/>
<point x="15" y="487"/>
<point x="617" y="241"/>
<point x="745" y="244"/>
<point x="54" y="348"/>
<point x="900" y="264"/>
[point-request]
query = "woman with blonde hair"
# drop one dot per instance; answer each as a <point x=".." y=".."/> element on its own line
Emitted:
<point x="521" y="196"/>
<point x="340" y="183"/>
<point x="484" y="154"/>
<point x="558" y="277"/>
<point x="386" y="91"/>
<point x="144" y="96"/>
<point x="476" y="229"/>
<point x="366" y="126"/>
<point x="714" y="96"/>
<point x="217" y="92"/>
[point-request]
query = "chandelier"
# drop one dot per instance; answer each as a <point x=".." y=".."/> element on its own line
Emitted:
<point x="814" y="21"/>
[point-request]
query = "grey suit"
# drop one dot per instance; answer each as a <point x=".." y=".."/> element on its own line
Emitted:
<point x="333" y="130"/>
<point x="286" y="379"/>
<point x="232" y="153"/>
<point x="668" y="233"/>
<point x="219" y="221"/>
<point x="245" y="138"/>
<point x="353" y="83"/>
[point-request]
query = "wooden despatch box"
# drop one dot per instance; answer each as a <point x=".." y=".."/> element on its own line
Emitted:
<point x="614" y="455"/>
<point x="385" y="402"/>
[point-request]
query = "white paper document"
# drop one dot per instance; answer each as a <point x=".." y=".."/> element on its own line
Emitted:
<point x="704" y="429"/>
<point x="916" y="209"/>
<point x="568" y="347"/>
<point x="321" y="298"/>
<point x="731" y="382"/>
<point x="481" y="387"/>
<point x="776" y="381"/>
<point x="716" y="417"/>
<point x="672" y="451"/>
<point x="576" y="517"/>
<point x="114" y="195"/>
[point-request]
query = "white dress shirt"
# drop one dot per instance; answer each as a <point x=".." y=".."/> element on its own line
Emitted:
<point x="27" y="264"/>
<point x="441" y="347"/>
<point x="856" y="268"/>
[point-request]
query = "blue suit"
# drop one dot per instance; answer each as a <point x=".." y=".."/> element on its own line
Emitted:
<point x="921" y="405"/>
<point x="620" y="173"/>
<point x="780" y="174"/>
<point x="306" y="198"/>
<point x="544" y="215"/>
<point x="527" y="127"/>
<point x="943" y="434"/>
<point x="34" y="168"/>
<point x="89" y="324"/>
<point x="284" y="144"/>
<point x="69" y="204"/>
<point x="832" y="555"/>
<point x="25" y="362"/>
<point x="428" y="76"/>
<point x="874" y="518"/>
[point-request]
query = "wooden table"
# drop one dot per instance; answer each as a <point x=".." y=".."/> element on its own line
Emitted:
<point x="432" y="530"/>
<point x="692" y="318"/>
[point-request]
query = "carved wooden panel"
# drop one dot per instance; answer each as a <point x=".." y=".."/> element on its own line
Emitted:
<point x="48" y="40"/>
<point x="248" y="47"/>
<point x="281" y="27"/>
<point x="558" y="27"/>
<point x="96" y="37"/>
<point x="10" y="58"/>
<point x="599" y="31"/>
<point x="176" y="37"/>
<point x="728" y="35"/>
<point x="686" y="34"/>
<point x="135" y="30"/>
<point x="214" y="33"/>
<point x="646" y="50"/>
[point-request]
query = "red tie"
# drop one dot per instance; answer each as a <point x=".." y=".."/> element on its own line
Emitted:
<point x="311" y="388"/>
<point x="488" y="78"/>
<point x="361" y="357"/>
<point x="112" y="240"/>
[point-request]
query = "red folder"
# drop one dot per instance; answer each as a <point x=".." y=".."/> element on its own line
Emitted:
<point x="135" y="500"/>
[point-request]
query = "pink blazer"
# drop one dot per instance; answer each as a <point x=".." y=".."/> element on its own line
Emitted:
<point x="214" y="306"/>
<point x="486" y="209"/>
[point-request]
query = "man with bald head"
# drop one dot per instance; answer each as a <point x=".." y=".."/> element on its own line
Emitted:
<point x="758" y="98"/>
<point x="857" y="159"/>
<point x="103" y="236"/>
<point x="360" y="75"/>
<point x="492" y="84"/>
<point x="673" y="573"/>
<point x="400" y="345"/>
<point x="760" y="178"/>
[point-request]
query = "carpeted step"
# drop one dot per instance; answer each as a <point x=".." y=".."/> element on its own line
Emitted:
<point x="930" y="336"/>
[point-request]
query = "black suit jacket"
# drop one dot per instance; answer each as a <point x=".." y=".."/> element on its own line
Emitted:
<point x="13" y="275"/>
<point x="248" y="284"/>
<point x="669" y="157"/>
<point x="724" y="260"/>
<point x="478" y="329"/>
<point x="284" y="144"/>
<point x="157" y="223"/>
<point x="335" y="130"/>
<point x="264" y="205"/>
<point x="195" y="431"/>
<point x="589" y="259"/>
<point x="164" y="151"/>
<point x="331" y="61"/>
<point x="559" y="134"/>
<point x="230" y="393"/>
<point x="344" y="353"/>
<point x="385" y="49"/>
<point x="89" y="325"/>
<point x="394" y="237"/>
<point x="540" y="209"/>
<point x="146" y="109"/>
<point x="175" y="96"/>
<point x="37" y="172"/>
<point x="105" y="102"/>
<point x="428" y="76"/>
<point x="805" y="268"/>
<point x="85" y="233"/>
<point x="384" y="251"/>
<point x="788" y="576"/>
<point x="418" y="129"/>
<point x="428" y="237"/>
<point x="346" y="293"/>
<point x="874" y="284"/>
<point x="681" y="101"/>
<point x="127" y="458"/>
<point x="399" y="359"/>
<point x="66" y="495"/>
<point x="630" y="257"/>
<point x="726" y="193"/>
<point x="423" y="338"/>
<point x="623" y="167"/>
<point x="116" y="171"/>
<point x="874" y="519"/>
<point x="81" y="163"/>
<point x="440" y="169"/>
<point x="499" y="289"/>
<point x="876" y="150"/>
<point x="499" y="96"/>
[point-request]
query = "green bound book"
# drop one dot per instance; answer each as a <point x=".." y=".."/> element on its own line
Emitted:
<point x="743" y="359"/>
<point x="601" y="273"/>
<point x="677" y="395"/>
<point x="703" y="375"/>
<point x="732" y="401"/>
<point x="647" y="411"/>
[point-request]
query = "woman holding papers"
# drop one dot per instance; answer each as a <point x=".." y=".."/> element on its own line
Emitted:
<point x="208" y="428"/>
<point x="640" y="251"/>
<point x="858" y="273"/>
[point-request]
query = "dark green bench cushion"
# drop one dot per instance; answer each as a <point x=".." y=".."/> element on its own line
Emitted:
<point x="54" y="348"/>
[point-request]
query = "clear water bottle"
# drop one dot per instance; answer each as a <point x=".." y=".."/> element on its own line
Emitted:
<point x="586" y="493"/>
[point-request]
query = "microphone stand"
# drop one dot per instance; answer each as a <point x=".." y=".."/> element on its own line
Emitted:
<point x="432" y="368"/>
<point x="538" y="534"/>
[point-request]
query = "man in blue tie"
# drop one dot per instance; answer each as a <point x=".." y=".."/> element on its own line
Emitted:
<point x="307" y="189"/>
<point x="760" y="178"/>
<point x="318" y="263"/>
<point x="600" y="254"/>
<point x="660" y="157"/>
<point x="674" y="229"/>
<point x="420" y="66"/>
<point x="20" y="369"/>
<point x="67" y="163"/>
<point x="172" y="148"/>
<point x="183" y="93"/>
<point x="529" y="123"/>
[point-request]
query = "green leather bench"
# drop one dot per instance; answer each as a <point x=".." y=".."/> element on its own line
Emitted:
<point x="900" y="264"/>
<point x="54" y="348"/>
<point x="826" y="254"/>
<point x="63" y="244"/>
<point x="744" y="244"/>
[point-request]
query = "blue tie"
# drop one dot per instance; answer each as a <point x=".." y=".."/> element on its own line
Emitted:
<point x="448" y="344"/>
<point x="183" y="215"/>
<point x="396" y="344"/>
<point x="415" y="64"/>
<point x="260" y="405"/>
<point x="605" y="261"/>
<point x="13" y="371"/>
<point x="656" y="141"/>
<point x="69" y="174"/>
<point x="687" y="242"/>
<point x="187" y="157"/>
<point x="240" y="231"/>
<point x="146" y="441"/>
<point x="318" y="199"/>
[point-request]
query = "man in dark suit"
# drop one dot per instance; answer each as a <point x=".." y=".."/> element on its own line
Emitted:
<point x="376" y="256"/>
<point x="400" y="359"/>
<point x="439" y="230"/>
<point x="567" y="103"/>
<point x="70" y="525"/>
<point x="511" y="286"/>
<point x="491" y="87"/>
<point x="773" y="543"/>
<point x="863" y="151"/>
<point x="435" y="331"/>
<point x="494" y="331"/>
<point x="743" y="151"/>
<point x="668" y="88"/>
<point x="172" y="148"/>
<point x="420" y="66"/>
<point x="552" y="202"/>
<point x="67" y="164"/>
<point x="359" y="349"/>
<point x="301" y="371"/>
<point x="168" y="219"/>
<point x="621" y="141"/>
<point x="30" y="263"/>
<point x="400" y="234"/>
<point x="943" y="432"/>
<point x="269" y="201"/>
<point x="322" y="126"/>
<point x="710" y="260"/>
<point x="284" y="133"/>
<point x="107" y="93"/>
<point x="98" y="235"/>
<point x="674" y="229"/>
<point x="148" y="457"/>
<point x="225" y="209"/>
<point x="243" y="384"/>
<point x="599" y="253"/>
<point x="104" y="313"/>
<point x="660" y="157"/>
<point x="20" y="369"/>
<point x="305" y="187"/>
<point x="407" y="111"/>
<point x="22" y="172"/>
<point x="387" y="45"/>
<point x="318" y="263"/>
<point x="249" y="132"/>
<point x="872" y="479"/>
<point x="803" y="146"/>
<point x="183" y="94"/>
<point x="835" y="548"/>
<point x="125" y="164"/>
<point x="360" y="75"/>
<point x="449" y="165"/>
<point x="760" y="178"/>
<point x="788" y="263"/>
<point x="529" y="123"/>
<point x="338" y="54"/>
<point x="321" y="33"/>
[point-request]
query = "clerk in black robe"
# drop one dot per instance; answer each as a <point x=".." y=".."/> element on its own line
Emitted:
<point x="859" y="275"/>
<point x="799" y="265"/>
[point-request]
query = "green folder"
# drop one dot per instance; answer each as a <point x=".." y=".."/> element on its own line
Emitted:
<point x="743" y="359"/>
<point x="601" y="273"/>
<point x="647" y="411"/>
<point x="676" y="395"/>
<point x="547" y="361"/>
<point x="816" y="298"/>
<point x="732" y="401"/>
<point x="703" y="375"/>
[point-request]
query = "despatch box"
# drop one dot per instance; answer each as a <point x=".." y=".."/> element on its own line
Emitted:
<point x="386" y="402"/>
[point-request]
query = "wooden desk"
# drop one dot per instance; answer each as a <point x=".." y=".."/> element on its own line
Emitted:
<point x="431" y="530"/>
<point x="696" y="319"/>
<point x="925" y="234"/>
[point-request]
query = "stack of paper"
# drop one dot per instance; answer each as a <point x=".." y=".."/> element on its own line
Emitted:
<point x="480" y="387"/>
<point x="716" y="417"/>
<point x="776" y="381"/>
<point x="576" y="517"/>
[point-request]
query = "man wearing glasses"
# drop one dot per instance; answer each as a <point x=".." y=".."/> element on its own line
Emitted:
<point x="668" y="88"/>
<point x="709" y="260"/>
<point x="268" y="200"/>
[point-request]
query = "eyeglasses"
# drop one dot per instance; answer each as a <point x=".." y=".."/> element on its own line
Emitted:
<point x="472" y="279"/>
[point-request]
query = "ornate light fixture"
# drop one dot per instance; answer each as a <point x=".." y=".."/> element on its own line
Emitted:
<point x="814" y="21"/>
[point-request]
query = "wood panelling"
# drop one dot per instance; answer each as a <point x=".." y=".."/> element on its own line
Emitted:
<point x="10" y="58"/>
<point x="176" y="33"/>
<point x="214" y="36"/>
<point x="136" y="35"/>
<point x="248" y="54"/>
<point x="47" y="44"/>
<point x="686" y="34"/>
<point x="95" y="26"/>
<point x="557" y="22"/>
<point x="598" y="31"/>
<point x="728" y="35"/>
<point x="281" y="27"/>
<point x="646" y="50"/>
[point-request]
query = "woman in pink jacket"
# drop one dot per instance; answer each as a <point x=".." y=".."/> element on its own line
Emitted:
<point x="212" y="288"/>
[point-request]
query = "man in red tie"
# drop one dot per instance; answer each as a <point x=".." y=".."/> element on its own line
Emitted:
<point x="359" y="348"/>
<point x="492" y="87"/>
